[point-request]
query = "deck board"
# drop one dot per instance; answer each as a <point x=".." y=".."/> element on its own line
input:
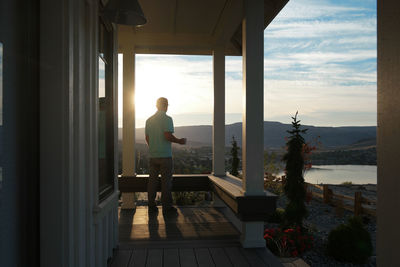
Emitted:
<point x="121" y="258"/>
<point x="236" y="257"/>
<point x="171" y="257"/>
<point x="138" y="258"/>
<point x="187" y="257"/>
<point x="252" y="257"/>
<point x="203" y="257"/>
<point x="154" y="258"/>
<point x="268" y="258"/>
<point x="219" y="257"/>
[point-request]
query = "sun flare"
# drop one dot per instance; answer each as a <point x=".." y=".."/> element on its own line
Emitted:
<point x="173" y="78"/>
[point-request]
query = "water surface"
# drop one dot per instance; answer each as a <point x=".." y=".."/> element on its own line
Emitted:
<point x="337" y="174"/>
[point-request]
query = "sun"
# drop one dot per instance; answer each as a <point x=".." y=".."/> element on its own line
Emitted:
<point x="176" y="79"/>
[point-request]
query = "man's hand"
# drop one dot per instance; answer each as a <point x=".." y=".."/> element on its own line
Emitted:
<point x="170" y="137"/>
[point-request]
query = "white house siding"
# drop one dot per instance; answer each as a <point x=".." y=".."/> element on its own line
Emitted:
<point x="76" y="230"/>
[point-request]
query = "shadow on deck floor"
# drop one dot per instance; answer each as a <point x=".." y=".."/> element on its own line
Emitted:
<point x="196" y="236"/>
<point x="190" y="223"/>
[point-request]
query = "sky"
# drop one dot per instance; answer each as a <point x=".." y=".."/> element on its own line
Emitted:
<point x="319" y="60"/>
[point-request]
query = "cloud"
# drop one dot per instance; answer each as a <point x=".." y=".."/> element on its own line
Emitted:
<point x="319" y="58"/>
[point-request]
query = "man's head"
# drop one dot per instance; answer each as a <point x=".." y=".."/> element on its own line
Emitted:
<point x="162" y="104"/>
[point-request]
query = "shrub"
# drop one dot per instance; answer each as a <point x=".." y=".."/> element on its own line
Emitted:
<point x="350" y="242"/>
<point x="294" y="185"/>
<point x="347" y="183"/>
<point x="273" y="184"/>
<point x="288" y="242"/>
<point x="277" y="216"/>
<point x="235" y="158"/>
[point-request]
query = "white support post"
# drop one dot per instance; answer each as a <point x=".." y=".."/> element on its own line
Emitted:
<point x="218" y="134"/>
<point x="128" y="134"/>
<point x="253" y="114"/>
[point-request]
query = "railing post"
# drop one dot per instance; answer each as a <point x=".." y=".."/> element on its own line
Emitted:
<point x="357" y="203"/>
<point x="327" y="194"/>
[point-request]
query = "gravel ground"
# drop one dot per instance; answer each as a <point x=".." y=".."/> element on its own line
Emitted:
<point x="321" y="220"/>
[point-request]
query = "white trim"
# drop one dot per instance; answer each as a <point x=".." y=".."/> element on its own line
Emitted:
<point x="101" y="210"/>
<point x="251" y="237"/>
<point x="70" y="213"/>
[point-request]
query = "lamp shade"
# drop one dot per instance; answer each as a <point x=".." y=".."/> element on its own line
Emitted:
<point x="127" y="12"/>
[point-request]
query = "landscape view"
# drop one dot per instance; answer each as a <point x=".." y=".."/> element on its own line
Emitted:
<point x="336" y="146"/>
<point x="184" y="133"/>
<point x="319" y="61"/>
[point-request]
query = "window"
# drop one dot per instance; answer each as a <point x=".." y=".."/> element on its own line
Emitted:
<point x="106" y="110"/>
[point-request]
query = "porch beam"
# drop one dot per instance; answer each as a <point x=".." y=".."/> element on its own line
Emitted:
<point x="218" y="134"/>
<point x="229" y="22"/>
<point x="253" y="114"/>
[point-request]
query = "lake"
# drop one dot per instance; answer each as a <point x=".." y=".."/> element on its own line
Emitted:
<point x="337" y="174"/>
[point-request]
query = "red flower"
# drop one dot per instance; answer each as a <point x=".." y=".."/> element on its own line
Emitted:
<point x="295" y="253"/>
<point x="267" y="236"/>
<point x="289" y="230"/>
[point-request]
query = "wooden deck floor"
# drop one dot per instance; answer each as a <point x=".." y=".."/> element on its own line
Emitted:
<point x="196" y="236"/>
<point x="189" y="224"/>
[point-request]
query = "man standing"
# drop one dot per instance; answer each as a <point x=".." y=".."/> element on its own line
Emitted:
<point x="158" y="131"/>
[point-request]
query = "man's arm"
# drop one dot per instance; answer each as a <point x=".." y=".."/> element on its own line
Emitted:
<point x="170" y="137"/>
<point x="147" y="139"/>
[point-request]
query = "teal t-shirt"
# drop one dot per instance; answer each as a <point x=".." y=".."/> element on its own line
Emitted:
<point x="156" y="125"/>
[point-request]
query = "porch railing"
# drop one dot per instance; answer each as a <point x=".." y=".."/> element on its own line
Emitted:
<point x="227" y="188"/>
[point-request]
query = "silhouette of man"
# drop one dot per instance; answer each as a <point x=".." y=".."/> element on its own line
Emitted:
<point x="158" y="131"/>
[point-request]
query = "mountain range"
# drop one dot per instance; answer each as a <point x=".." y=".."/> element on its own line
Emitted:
<point x="275" y="133"/>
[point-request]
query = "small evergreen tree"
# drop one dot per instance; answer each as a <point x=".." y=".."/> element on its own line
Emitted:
<point x="294" y="189"/>
<point x="235" y="158"/>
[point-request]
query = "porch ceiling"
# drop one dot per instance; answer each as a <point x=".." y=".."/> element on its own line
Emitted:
<point x="192" y="27"/>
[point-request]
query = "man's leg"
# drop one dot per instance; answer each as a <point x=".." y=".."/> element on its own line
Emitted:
<point x="154" y="170"/>
<point x="166" y="182"/>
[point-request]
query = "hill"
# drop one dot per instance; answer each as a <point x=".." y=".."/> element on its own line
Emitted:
<point x="275" y="133"/>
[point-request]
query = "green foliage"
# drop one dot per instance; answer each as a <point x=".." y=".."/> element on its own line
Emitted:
<point x="272" y="163"/>
<point x="362" y="156"/>
<point x="273" y="184"/>
<point x="187" y="198"/>
<point x="235" y="158"/>
<point x="347" y="183"/>
<point x="294" y="185"/>
<point x="350" y="242"/>
<point x="277" y="216"/>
